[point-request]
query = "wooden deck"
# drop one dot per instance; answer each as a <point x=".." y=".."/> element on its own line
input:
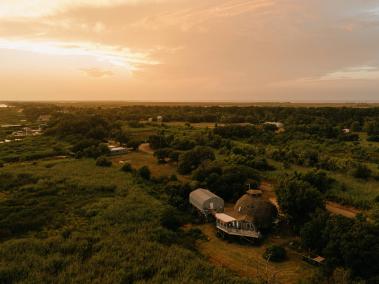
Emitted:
<point x="239" y="232"/>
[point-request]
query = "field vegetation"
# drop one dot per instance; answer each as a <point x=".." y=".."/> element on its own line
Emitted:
<point x="92" y="217"/>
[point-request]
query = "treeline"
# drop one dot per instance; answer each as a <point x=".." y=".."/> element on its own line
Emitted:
<point x="356" y="118"/>
<point x="88" y="133"/>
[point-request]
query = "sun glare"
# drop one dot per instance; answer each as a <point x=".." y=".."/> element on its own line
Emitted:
<point x="110" y="55"/>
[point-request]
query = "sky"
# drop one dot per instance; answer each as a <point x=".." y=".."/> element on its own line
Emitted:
<point x="189" y="50"/>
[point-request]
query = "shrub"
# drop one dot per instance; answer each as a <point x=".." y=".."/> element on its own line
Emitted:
<point x="134" y="143"/>
<point x="361" y="171"/>
<point x="171" y="219"/>
<point x="144" y="172"/>
<point x="192" y="159"/>
<point x="173" y="177"/>
<point x="103" y="162"/>
<point x="127" y="168"/>
<point x="275" y="253"/>
<point x="373" y="138"/>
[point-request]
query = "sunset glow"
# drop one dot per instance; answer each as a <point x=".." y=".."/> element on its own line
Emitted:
<point x="185" y="50"/>
<point x="121" y="57"/>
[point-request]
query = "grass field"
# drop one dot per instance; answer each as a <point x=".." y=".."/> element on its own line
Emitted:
<point x="78" y="223"/>
<point x="32" y="148"/>
<point x="9" y="116"/>
<point x="139" y="159"/>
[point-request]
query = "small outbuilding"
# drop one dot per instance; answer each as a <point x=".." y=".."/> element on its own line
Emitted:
<point x="117" y="150"/>
<point x="206" y="201"/>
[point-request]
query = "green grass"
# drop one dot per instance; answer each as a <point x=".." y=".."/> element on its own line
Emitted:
<point x="9" y="116"/>
<point x="70" y="221"/>
<point x="32" y="148"/>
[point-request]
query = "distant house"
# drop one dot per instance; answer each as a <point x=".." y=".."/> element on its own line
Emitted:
<point x="206" y="202"/>
<point x="11" y="126"/>
<point x="277" y="124"/>
<point x="150" y="119"/>
<point x="346" y="130"/>
<point x="159" y="119"/>
<point x="117" y="150"/>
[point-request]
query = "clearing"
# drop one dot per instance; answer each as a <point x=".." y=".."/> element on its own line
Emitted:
<point x="145" y="148"/>
<point x="139" y="159"/>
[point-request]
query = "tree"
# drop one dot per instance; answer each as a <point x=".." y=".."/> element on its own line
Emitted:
<point x="298" y="199"/>
<point x="158" y="141"/>
<point x="318" y="179"/>
<point x="372" y="127"/>
<point x="311" y="233"/>
<point x="144" y="172"/>
<point x="230" y="185"/>
<point x="192" y="159"/>
<point x="103" y="162"/>
<point x="361" y="171"/>
<point x="162" y="154"/>
<point x="174" y="156"/>
<point x="275" y="253"/>
<point x="356" y="126"/>
<point x="127" y="168"/>
<point x="182" y="143"/>
<point x="171" y="219"/>
<point x="353" y="244"/>
<point x="134" y="143"/>
<point x="373" y="138"/>
<point x="178" y="193"/>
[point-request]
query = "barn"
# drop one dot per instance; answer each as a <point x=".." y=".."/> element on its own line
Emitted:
<point x="206" y="201"/>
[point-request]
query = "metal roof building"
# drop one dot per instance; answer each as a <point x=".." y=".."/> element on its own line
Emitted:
<point x="205" y="201"/>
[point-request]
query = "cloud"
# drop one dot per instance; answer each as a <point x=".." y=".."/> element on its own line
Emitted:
<point x="96" y="72"/>
<point x="354" y="73"/>
<point x="111" y="55"/>
<point x="37" y="8"/>
<point x="228" y="49"/>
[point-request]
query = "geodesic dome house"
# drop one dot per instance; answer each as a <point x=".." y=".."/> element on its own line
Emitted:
<point x="253" y="208"/>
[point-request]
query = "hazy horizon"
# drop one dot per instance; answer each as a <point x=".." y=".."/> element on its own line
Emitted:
<point x="240" y="51"/>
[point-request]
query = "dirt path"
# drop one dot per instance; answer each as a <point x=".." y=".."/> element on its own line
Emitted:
<point x="145" y="148"/>
<point x="338" y="209"/>
<point x="332" y="207"/>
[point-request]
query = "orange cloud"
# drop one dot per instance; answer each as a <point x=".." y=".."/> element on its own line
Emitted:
<point x="189" y="49"/>
<point x="97" y="73"/>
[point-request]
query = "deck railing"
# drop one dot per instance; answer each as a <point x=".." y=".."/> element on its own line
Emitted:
<point x="239" y="232"/>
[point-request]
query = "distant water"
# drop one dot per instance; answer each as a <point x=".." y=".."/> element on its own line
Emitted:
<point x="3" y="105"/>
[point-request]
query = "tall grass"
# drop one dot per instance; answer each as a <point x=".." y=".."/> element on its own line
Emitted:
<point x="74" y="222"/>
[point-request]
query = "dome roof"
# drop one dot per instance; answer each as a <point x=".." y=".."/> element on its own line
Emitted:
<point x="255" y="209"/>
